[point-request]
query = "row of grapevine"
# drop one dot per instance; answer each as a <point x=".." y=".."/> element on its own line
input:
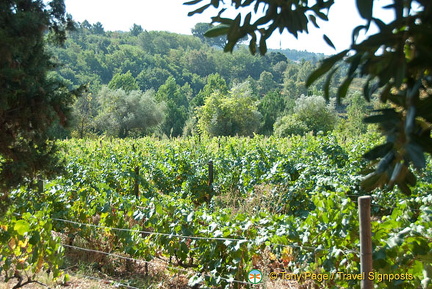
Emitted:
<point x="290" y="202"/>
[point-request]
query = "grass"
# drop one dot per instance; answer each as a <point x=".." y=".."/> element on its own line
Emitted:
<point x="87" y="271"/>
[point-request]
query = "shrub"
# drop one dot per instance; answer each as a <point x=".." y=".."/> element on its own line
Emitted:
<point x="289" y="125"/>
<point x="311" y="113"/>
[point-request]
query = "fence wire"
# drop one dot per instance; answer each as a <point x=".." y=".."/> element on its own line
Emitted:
<point x="292" y="245"/>
<point x="147" y="262"/>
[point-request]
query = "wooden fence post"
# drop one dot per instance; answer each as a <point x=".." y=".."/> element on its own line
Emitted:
<point x="365" y="241"/>
<point x="136" y="186"/>
<point x="40" y="187"/>
<point x="210" y="176"/>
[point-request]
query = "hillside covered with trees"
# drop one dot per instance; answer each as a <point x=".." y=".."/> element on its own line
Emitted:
<point x="147" y="82"/>
<point x="128" y="200"/>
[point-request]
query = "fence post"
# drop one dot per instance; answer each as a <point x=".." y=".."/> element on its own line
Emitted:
<point x="136" y="186"/>
<point x="365" y="241"/>
<point x="210" y="177"/>
<point x="40" y="186"/>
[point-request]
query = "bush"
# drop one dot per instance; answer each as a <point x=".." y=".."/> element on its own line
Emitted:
<point x="289" y="125"/>
<point x="311" y="113"/>
<point x="316" y="113"/>
<point x="229" y="115"/>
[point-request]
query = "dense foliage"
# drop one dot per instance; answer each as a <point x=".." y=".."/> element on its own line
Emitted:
<point x="395" y="61"/>
<point x="311" y="114"/>
<point x="125" y="113"/>
<point x="183" y="70"/>
<point x="229" y="115"/>
<point x="286" y="204"/>
<point x="30" y="101"/>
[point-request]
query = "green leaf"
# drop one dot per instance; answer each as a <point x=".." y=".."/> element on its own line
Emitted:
<point x="35" y="238"/>
<point x="247" y="19"/>
<point x="22" y="227"/>
<point x="378" y="151"/>
<point x="367" y="91"/>
<point x="326" y="65"/>
<point x="410" y="178"/>
<point x="385" y="94"/>
<point x="199" y="10"/>
<point x="343" y="88"/>
<point x="215" y="3"/>
<point x="263" y="45"/>
<point x="229" y="46"/>
<point x="404" y="188"/>
<point x="400" y="72"/>
<point x="388" y="115"/>
<point x="329" y="42"/>
<point x="192" y="2"/>
<point x="252" y="44"/>
<point x="385" y="162"/>
<point x="356" y="32"/>
<point x="355" y="61"/>
<point x="327" y="83"/>
<point x="321" y="15"/>
<point x="372" y="181"/>
<point x="312" y="18"/>
<point x="381" y="25"/>
<point x="416" y="154"/>
<point x="218" y="30"/>
<point x="365" y="8"/>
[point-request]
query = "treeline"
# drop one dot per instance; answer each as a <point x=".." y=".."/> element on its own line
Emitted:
<point x="147" y="82"/>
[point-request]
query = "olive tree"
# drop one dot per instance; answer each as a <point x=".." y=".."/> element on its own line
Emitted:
<point x="122" y="113"/>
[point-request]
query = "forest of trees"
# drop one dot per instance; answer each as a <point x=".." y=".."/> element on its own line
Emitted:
<point x="273" y="202"/>
<point x="147" y="82"/>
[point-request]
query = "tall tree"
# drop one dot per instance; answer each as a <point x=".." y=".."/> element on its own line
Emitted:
<point x="98" y="28"/>
<point x="125" y="112"/>
<point x="215" y="82"/>
<point x="30" y="100"/>
<point x="136" y="30"/>
<point x="201" y="28"/>
<point x="266" y="83"/>
<point x="176" y="107"/>
<point x="84" y="112"/>
<point x="271" y="106"/>
<point x="123" y="81"/>
<point x="396" y="62"/>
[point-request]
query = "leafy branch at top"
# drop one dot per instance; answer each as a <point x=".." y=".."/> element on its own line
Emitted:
<point x="396" y="64"/>
<point x="294" y="16"/>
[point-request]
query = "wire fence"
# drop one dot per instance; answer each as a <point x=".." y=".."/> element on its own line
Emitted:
<point x="229" y="280"/>
<point x="191" y="237"/>
<point x="171" y="235"/>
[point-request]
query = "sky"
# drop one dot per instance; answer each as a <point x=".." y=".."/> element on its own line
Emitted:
<point x="171" y="15"/>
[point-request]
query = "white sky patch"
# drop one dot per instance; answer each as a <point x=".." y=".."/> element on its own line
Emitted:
<point x="171" y="15"/>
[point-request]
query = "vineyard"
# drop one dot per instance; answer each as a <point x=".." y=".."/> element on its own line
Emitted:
<point x="272" y="204"/>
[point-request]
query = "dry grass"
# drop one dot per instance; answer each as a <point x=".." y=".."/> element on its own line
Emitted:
<point x="155" y="275"/>
<point x="75" y="282"/>
<point x="263" y="198"/>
